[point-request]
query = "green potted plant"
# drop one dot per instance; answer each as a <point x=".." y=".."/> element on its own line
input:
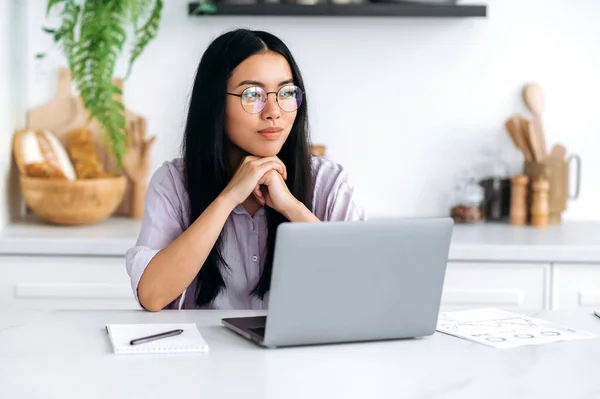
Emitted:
<point x="92" y="35"/>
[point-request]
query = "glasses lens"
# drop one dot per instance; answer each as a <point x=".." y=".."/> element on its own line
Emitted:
<point x="254" y="99"/>
<point x="289" y="98"/>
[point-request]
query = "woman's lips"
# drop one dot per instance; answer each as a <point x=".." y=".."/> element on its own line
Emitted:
<point x="271" y="133"/>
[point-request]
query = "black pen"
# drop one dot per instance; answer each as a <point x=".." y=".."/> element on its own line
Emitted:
<point x="155" y="337"/>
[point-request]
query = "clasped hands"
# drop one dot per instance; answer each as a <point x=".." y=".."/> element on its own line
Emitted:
<point x="265" y="179"/>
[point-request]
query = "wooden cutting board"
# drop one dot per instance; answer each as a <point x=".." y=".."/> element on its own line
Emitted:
<point x="59" y="110"/>
<point x="66" y="112"/>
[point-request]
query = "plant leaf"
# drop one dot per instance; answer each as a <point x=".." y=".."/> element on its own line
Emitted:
<point x="51" y="4"/>
<point x="92" y="36"/>
<point x="145" y="34"/>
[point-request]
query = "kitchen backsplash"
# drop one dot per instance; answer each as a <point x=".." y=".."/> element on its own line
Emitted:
<point x="406" y="105"/>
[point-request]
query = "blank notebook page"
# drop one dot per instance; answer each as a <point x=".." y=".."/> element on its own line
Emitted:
<point x="189" y="341"/>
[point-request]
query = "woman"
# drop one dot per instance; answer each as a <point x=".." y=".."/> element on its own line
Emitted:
<point x="208" y="231"/>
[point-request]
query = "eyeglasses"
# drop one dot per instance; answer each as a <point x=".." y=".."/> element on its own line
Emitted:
<point x="254" y="99"/>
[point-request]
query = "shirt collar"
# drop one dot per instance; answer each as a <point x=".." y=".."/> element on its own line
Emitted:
<point x="239" y="210"/>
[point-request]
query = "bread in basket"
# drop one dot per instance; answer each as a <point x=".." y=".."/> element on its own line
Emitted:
<point x="63" y="189"/>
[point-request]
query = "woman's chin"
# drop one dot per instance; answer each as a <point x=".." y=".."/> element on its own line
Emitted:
<point x="265" y="151"/>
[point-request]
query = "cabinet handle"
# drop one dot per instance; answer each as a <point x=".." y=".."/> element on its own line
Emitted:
<point x="73" y="290"/>
<point x="589" y="298"/>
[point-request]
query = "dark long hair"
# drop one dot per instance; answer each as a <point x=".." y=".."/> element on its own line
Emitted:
<point x="207" y="171"/>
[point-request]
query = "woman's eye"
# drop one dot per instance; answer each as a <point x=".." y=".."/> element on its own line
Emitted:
<point x="251" y="94"/>
<point x="288" y="93"/>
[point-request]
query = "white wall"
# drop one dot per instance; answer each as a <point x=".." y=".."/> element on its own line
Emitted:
<point x="423" y="97"/>
<point x="9" y="105"/>
<point x="5" y="123"/>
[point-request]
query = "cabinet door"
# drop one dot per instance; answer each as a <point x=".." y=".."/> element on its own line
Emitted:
<point x="45" y="282"/>
<point x="576" y="286"/>
<point x="509" y="286"/>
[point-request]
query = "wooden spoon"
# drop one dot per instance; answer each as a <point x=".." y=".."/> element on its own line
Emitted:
<point x="524" y="125"/>
<point x="513" y="125"/>
<point x="534" y="99"/>
<point x="532" y="140"/>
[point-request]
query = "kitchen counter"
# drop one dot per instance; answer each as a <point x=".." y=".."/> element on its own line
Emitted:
<point x="569" y="242"/>
<point x="111" y="237"/>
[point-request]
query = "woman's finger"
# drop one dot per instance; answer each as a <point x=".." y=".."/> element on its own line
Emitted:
<point x="257" y="190"/>
<point x="282" y="170"/>
<point x="285" y="176"/>
<point x="258" y="195"/>
<point x="263" y="169"/>
<point x="266" y="179"/>
<point x="249" y="158"/>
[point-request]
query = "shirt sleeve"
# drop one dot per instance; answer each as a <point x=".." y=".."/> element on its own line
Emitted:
<point x="161" y="224"/>
<point x="342" y="204"/>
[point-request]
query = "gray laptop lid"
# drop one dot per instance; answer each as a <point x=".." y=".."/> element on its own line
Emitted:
<point x="354" y="281"/>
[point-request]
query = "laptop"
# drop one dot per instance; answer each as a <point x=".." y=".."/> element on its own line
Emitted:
<point x="337" y="282"/>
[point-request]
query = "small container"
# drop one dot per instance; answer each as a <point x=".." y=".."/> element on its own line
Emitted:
<point x="468" y="202"/>
<point x="539" y="202"/>
<point x="518" y="204"/>
<point x="496" y="185"/>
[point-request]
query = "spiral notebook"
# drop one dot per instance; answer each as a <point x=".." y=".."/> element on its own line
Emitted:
<point x="190" y="341"/>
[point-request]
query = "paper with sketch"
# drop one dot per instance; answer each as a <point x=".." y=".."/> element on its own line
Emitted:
<point x="502" y="329"/>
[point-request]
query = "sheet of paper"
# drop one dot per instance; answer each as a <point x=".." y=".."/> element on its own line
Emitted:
<point x="502" y="329"/>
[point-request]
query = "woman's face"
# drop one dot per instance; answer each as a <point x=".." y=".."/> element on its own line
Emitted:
<point x="260" y="132"/>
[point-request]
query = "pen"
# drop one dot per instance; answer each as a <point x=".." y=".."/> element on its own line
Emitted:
<point x="597" y="313"/>
<point x="155" y="337"/>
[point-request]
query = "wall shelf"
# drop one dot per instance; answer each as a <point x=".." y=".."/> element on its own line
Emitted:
<point x="371" y="9"/>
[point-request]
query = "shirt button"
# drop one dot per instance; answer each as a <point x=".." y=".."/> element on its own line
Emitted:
<point x="253" y="226"/>
<point x="254" y="258"/>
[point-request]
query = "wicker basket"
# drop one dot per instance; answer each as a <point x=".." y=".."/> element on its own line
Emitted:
<point x="78" y="202"/>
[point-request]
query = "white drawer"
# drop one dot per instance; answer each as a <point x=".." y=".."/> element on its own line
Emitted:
<point x="509" y="286"/>
<point x="576" y="286"/>
<point x="45" y="282"/>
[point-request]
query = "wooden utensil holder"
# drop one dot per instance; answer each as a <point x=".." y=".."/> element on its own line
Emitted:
<point x="557" y="174"/>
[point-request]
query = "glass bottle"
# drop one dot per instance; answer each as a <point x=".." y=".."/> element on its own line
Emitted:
<point x="468" y="201"/>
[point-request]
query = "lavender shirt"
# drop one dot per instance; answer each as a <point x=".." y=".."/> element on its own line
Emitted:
<point x="166" y="216"/>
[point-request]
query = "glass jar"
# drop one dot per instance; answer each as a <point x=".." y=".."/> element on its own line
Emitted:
<point x="496" y="186"/>
<point x="468" y="201"/>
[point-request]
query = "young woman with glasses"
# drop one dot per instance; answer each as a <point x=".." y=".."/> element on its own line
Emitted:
<point x="208" y="231"/>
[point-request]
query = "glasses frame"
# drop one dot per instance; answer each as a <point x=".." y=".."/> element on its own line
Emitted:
<point x="267" y="93"/>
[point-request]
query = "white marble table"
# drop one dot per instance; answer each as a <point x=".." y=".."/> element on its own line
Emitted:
<point x="66" y="354"/>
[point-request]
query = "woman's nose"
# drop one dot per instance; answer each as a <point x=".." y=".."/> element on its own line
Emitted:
<point x="272" y="110"/>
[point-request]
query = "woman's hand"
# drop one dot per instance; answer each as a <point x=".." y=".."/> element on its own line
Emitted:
<point x="273" y="192"/>
<point x="246" y="179"/>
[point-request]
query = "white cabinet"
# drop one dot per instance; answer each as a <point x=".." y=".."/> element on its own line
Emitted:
<point x="576" y="286"/>
<point x="76" y="282"/>
<point x="510" y="286"/>
<point x="48" y="282"/>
